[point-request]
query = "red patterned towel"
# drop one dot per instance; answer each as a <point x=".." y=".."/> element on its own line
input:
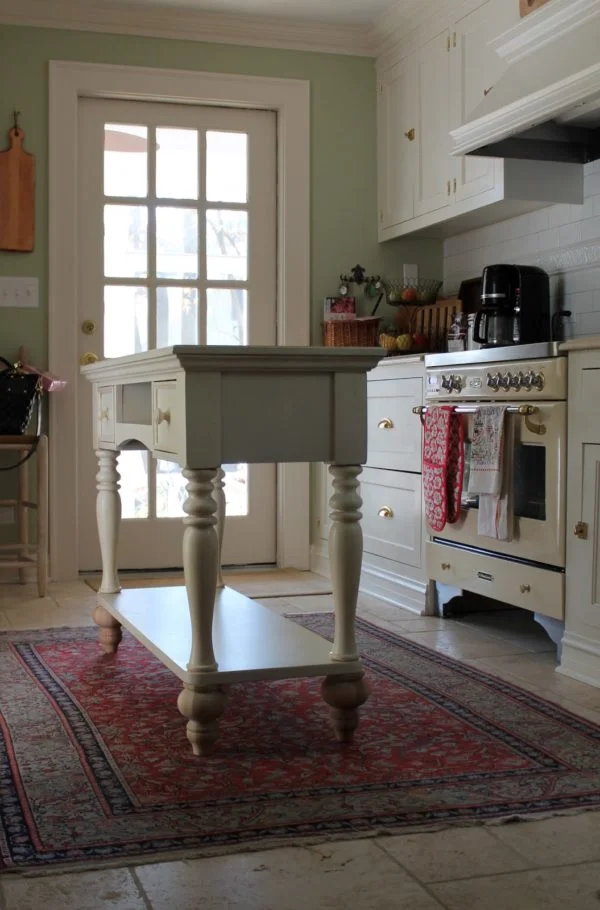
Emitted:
<point x="443" y="465"/>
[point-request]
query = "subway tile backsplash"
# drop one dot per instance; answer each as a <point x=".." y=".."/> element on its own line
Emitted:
<point x="562" y="239"/>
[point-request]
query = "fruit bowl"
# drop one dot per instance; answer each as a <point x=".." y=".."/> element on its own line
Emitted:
<point x="403" y="293"/>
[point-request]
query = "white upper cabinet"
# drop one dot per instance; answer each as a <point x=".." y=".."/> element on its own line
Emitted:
<point x="428" y="85"/>
<point x="396" y="117"/>
<point x="474" y="72"/>
<point x="433" y="190"/>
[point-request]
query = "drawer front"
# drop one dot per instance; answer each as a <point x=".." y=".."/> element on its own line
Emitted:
<point x="106" y="414"/>
<point x="165" y="416"/>
<point x="530" y="588"/>
<point x="394" y="432"/>
<point x="392" y="516"/>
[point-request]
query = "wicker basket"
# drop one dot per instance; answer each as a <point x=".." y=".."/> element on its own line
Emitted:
<point x="347" y="333"/>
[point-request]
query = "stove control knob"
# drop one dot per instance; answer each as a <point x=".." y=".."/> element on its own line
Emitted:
<point x="493" y="381"/>
<point x="538" y="381"/>
<point x="505" y="381"/>
<point x="446" y="383"/>
<point x="455" y="383"/>
<point x="517" y="381"/>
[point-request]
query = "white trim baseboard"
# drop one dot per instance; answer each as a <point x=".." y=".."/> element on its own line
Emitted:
<point x="390" y="587"/>
<point x="290" y="98"/>
<point x="580" y="659"/>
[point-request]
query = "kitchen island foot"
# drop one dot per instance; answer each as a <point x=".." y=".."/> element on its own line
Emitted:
<point x="203" y="706"/>
<point x="345" y="695"/>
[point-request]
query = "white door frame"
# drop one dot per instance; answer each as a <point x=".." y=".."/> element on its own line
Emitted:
<point x="290" y="99"/>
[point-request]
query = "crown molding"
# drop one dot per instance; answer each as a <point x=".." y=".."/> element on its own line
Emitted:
<point x="189" y="25"/>
<point x="546" y="25"/>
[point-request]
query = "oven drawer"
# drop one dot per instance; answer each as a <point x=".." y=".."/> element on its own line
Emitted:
<point x="392" y="515"/>
<point x="539" y="590"/>
<point x="394" y="434"/>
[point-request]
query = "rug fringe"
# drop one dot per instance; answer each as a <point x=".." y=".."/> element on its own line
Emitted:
<point x="278" y="843"/>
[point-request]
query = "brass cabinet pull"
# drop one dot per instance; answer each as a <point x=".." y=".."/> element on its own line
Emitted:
<point x="385" y="512"/>
<point x="454" y="184"/>
<point x="446" y="566"/>
<point x="449" y="187"/>
<point x="163" y="417"/>
<point x="385" y="424"/>
<point x="525" y="589"/>
<point x="410" y="135"/>
<point x="87" y="358"/>
<point x="581" y="530"/>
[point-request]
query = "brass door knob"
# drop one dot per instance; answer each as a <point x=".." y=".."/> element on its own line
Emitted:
<point x="385" y="512"/>
<point x="385" y="424"/>
<point x="87" y="358"/>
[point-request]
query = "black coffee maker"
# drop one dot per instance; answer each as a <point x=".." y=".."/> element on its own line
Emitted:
<point x="515" y="306"/>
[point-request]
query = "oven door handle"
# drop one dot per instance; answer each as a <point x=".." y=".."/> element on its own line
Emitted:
<point x="524" y="410"/>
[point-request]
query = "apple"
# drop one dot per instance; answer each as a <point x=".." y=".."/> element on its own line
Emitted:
<point x="404" y="342"/>
<point x="409" y="295"/>
<point x="420" y="341"/>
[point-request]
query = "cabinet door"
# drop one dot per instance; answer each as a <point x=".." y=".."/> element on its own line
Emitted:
<point x="396" y="114"/>
<point x="583" y="579"/>
<point x="433" y="187"/>
<point x="475" y="69"/>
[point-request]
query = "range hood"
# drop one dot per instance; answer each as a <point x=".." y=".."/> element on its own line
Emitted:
<point x="546" y="105"/>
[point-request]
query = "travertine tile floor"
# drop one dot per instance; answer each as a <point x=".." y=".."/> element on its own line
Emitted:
<point x="550" y="864"/>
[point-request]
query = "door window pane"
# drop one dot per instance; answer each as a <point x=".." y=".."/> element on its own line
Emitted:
<point x="133" y="468"/>
<point x="125" y="160"/>
<point x="176" y="242"/>
<point x="176" y="316"/>
<point x="176" y="164"/>
<point x="125" y="320"/>
<point x="125" y="241"/>
<point x="226" y="245"/>
<point x="226" y="167"/>
<point x="226" y="316"/>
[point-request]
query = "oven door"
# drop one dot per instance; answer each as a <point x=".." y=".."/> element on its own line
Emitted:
<point x="535" y="476"/>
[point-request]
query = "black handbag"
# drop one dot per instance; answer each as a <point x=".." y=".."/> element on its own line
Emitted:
<point x="19" y="393"/>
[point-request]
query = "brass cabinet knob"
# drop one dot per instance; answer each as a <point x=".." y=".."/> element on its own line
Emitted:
<point x="581" y="530"/>
<point x="87" y="358"/>
<point x="410" y="135"/>
<point x="163" y="417"/>
<point x="446" y="566"/>
<point x="525" y="589"/>
<point x="385" y="512"/>
<point x="385" y="424"/>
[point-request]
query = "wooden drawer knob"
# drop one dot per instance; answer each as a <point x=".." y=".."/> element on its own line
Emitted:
<point x="163" y="417"/>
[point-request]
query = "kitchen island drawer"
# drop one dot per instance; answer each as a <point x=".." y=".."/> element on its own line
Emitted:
<point x="392" y="515"/>
<point x="528" y="587"/>
<point x="394" y="433"/>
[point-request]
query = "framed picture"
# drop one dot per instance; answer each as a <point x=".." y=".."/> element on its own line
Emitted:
<point x="340" y="308"/>
<point x="528" y="6"/>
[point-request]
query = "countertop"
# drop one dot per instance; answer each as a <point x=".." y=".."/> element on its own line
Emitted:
<point x="401" y="358"/>
<point x="585" y="343"/>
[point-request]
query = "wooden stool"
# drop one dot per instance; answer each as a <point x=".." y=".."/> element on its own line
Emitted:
<point x="18" y="555"/>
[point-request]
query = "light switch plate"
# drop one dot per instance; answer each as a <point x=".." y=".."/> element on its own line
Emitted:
<point x="411" y="273"/>
<point x="19" y="292"/>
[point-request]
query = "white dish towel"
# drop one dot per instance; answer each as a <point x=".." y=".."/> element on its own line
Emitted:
<point x="487" y="472"/>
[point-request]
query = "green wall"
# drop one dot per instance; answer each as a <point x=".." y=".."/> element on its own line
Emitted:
<point x="343" y="153"/>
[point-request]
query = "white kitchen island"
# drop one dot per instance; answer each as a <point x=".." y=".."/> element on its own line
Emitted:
<point x="207" y="406"/>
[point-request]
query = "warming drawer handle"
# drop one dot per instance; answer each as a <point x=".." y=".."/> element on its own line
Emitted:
<point x="385" y="424"/>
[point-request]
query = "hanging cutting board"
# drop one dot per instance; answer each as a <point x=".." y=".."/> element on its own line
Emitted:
<point x="17" y="193"/>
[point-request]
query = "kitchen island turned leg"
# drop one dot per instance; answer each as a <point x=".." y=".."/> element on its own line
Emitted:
<point x="108" y="517"/>
<point x="201" y="705"/>
<point x="345" y="693"/>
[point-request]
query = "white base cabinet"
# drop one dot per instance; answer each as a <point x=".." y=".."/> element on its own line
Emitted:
<point x="581" y="641"/>
<point x="391" y="489"/>
<point x="424" y="91"/>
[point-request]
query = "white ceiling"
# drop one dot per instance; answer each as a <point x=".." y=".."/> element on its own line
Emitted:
<point x="342" y="12"/>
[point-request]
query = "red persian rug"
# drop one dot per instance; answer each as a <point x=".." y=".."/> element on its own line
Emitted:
<point x="95" y="765"/>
